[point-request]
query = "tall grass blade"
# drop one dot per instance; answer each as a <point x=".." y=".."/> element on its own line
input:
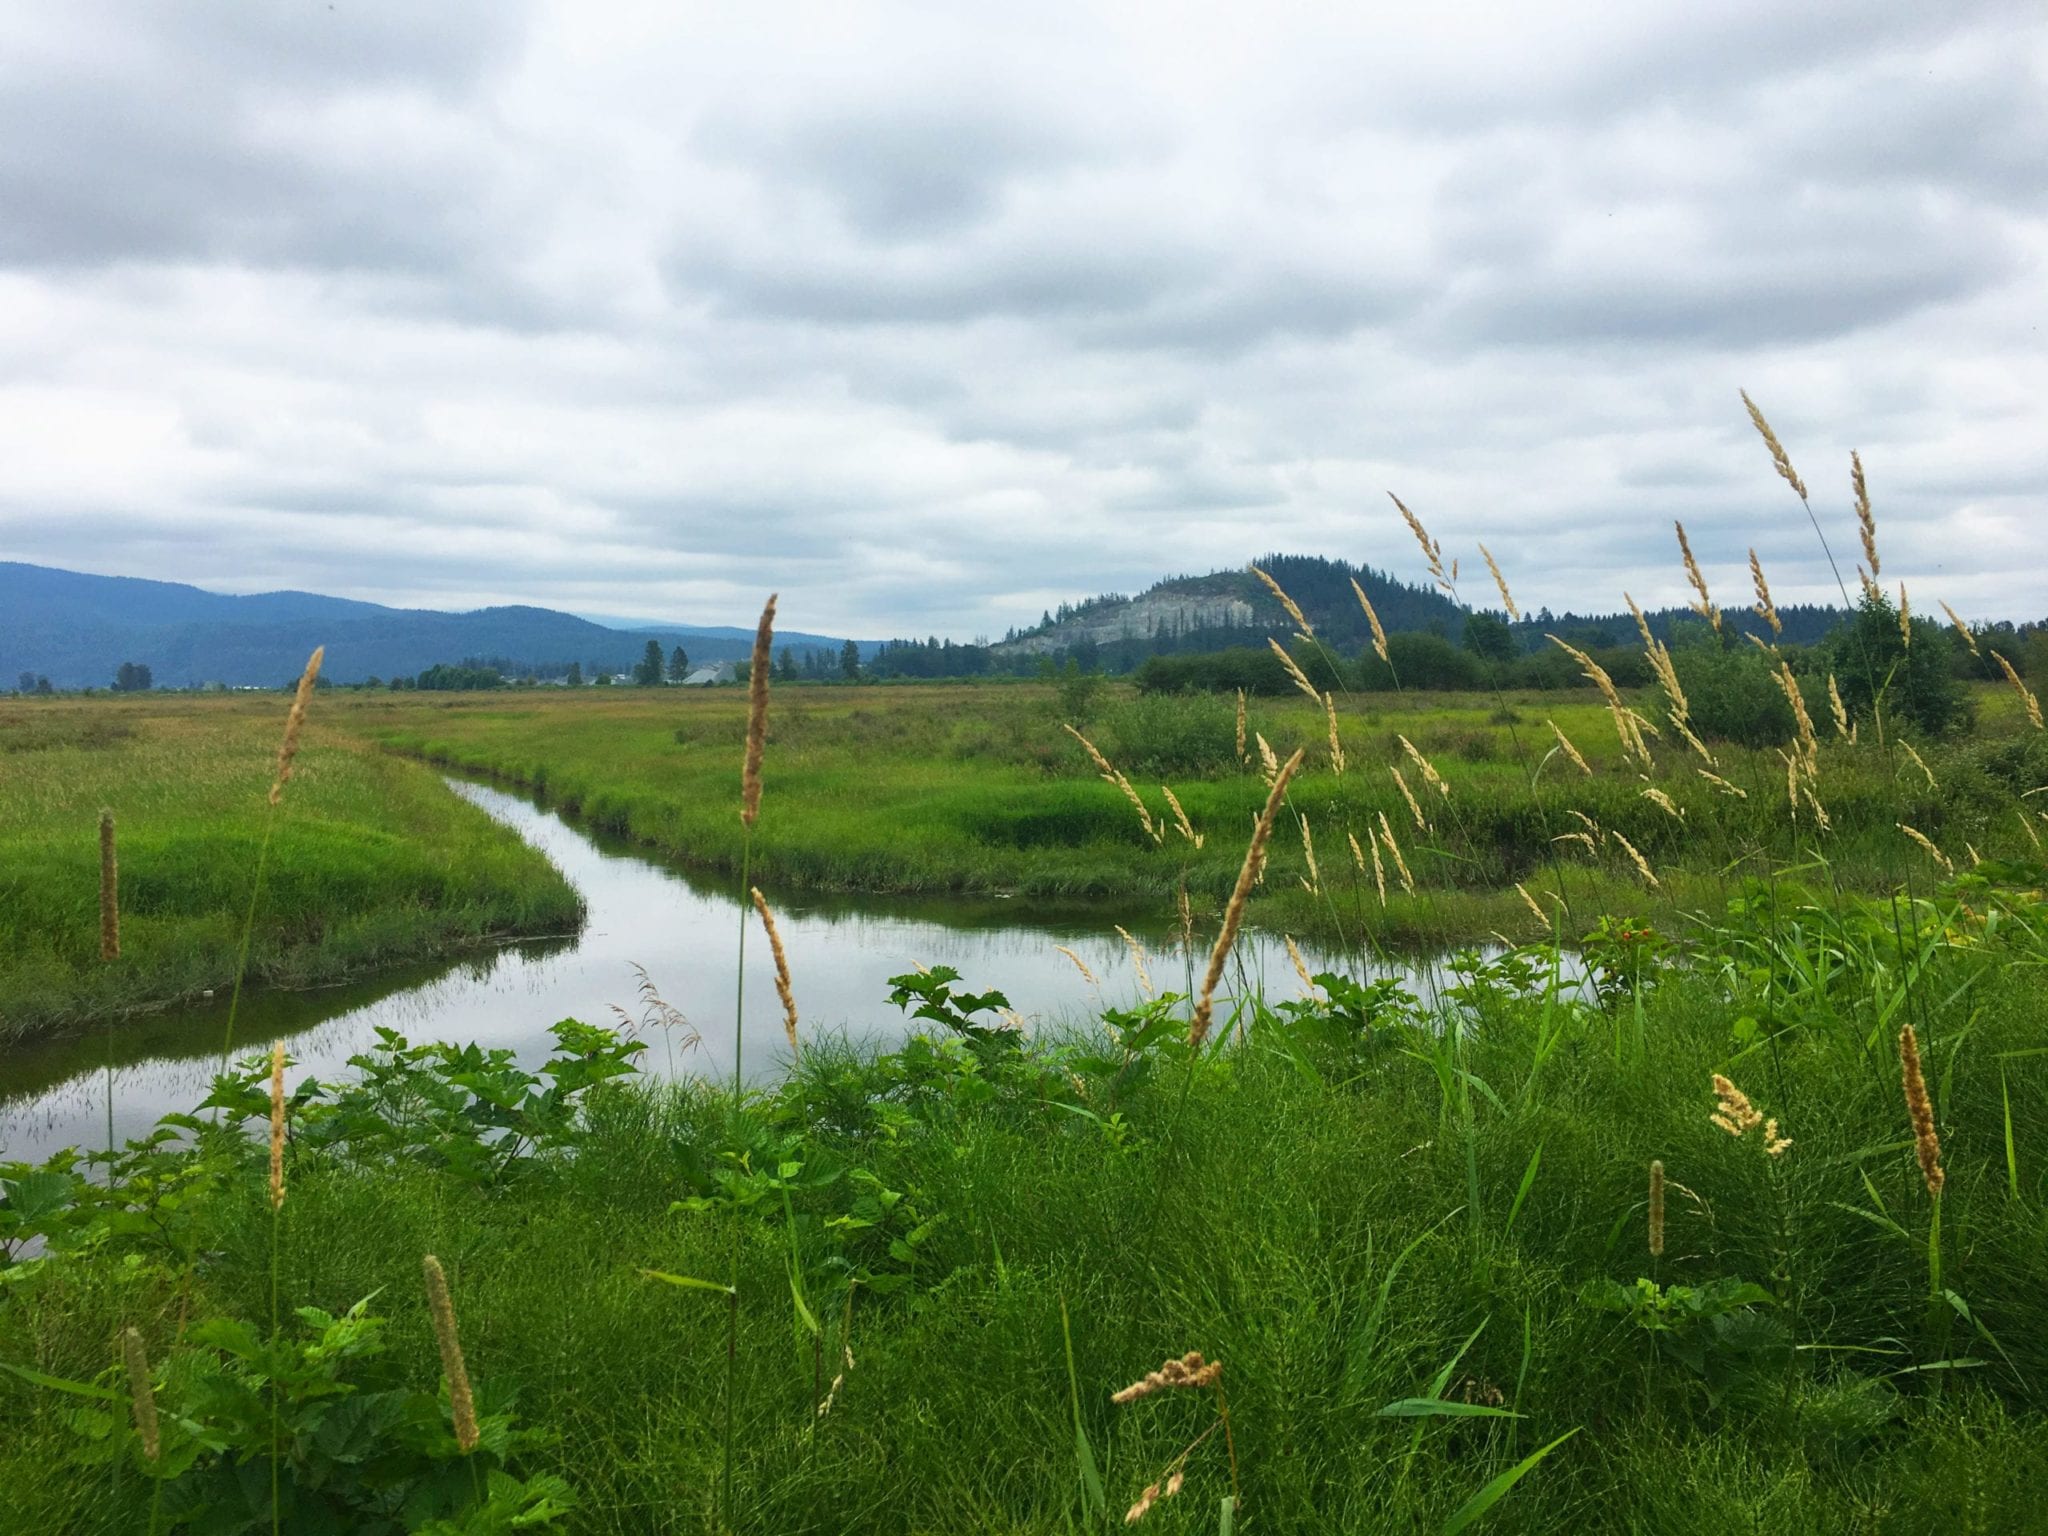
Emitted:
<point x="1497" y="1489"/>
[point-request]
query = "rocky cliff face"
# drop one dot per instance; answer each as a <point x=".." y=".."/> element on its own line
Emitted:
<point x="1135" y="618"/>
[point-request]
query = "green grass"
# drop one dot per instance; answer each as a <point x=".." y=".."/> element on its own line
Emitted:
<point x="373" y="861"/>
<point x="976" y="789"/>
<point x="1292" y="1212"/>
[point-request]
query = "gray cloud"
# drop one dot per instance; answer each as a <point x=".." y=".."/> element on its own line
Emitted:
<point x="931" y="319"/>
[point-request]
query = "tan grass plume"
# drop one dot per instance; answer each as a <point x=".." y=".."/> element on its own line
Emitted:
<point x="1298" y="677"/>
<point x="1507" y="598"/>
<point x="1962" y="629"/>
<point x="1704" y="607"/>
<point x="1137" y="958"/>
<point x="1733" y="1112"/>
<point x="276" y="1125"/>
<point x="1336" y="745"/>
<point x="1079" y="964"/>
<point x="1379" y="635"/>
<point x="1926" y="1141"/>
<point x="1642" y="864"/>
<point x="1765" y="608"/>
<point x="1314" y="883"/>
<point x="110" y="891"/>
<point x="1308" y="983"/>
<point x="1280" y="595"/>
<point x="1188" y="1371"/>
<point x="783" y="989"/>
<point x="1432" y="552"/>
<point x="1530" y="902"/>
<point x="1779" y="459"/>
<point x="1918" y="761"/>
<point x="1407" y="794"/>
<point x="1394" y="848"/>
<point x="461" y="1404"/>
<point x="1570" y="751"/>
<point x="1430" y="776"/>
<point x="295" y="722"/>
<point x="1240" y="725"/>
<point x="2026" y="694"/>
<point x="1927" y="847"/>
<point x="1111" y="775"/>
<point x="1866" y="525"/>
<point x="1905" y="618"/>
<point x="1839" y="710"/>
<point x="757" y="713"/>
<point x="1180" y="817"/>
<point x="1233" y="915"/>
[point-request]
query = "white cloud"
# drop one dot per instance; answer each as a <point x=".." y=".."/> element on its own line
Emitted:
<point x="930" y="317"/>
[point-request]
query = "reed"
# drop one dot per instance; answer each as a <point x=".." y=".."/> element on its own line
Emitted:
<point x="295" y="723"/>
<point x="1780" y="460"/>
<point x="1138" y="965"/>
<point x="1866" y="524"/>
<point x="1432" y="551"/>
<point x="2032" y="704"/>
<point x="1233" y="915"/>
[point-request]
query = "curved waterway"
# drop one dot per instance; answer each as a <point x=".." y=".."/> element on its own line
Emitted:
<point x="643" y="912"/>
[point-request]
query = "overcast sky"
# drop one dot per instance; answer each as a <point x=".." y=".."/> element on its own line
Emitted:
<point x="932" y="317"/>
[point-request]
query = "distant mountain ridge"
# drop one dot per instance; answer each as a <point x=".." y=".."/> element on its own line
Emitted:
<point x="77" y="628"/>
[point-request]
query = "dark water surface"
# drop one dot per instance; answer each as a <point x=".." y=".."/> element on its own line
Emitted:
<point x="642" y="911"/>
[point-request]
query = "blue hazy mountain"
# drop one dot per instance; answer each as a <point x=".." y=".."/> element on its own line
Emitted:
<point x="76" y="629"/>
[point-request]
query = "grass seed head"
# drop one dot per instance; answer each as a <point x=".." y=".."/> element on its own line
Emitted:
<point x="1180" y="817"/>
<point x="2026" y="694"/>
<point x="1188" y="1371"/>
<point x="1927" y="847"/>
<point x="1962" y="629"/>
<point x="461" y="1404"/>
<point x="1920" y="1109"/>
<point x="1233" y="915"/>
<point x="1432" y="551"/>
<point x="757" y="713"/>
<point x="1507" y="598"/>
<point x="1656" y="1208"/>
<point x="1570" y="751"/>
<point x="1429" y="774"/>
<point x="276" y="1124"/>
<point x="1240" y="725"/>
<point x="135" y="1355"/>
<point x="783" y="989"/>
<point x="1704" y="607"/>
<point x="1137" y="958"/>
<point x="1866" y="525"/>
<point x="110" y="891"/>
<point x="1765" y="608"/>
<point x="294" y="723"/>
<point x="1286" y="602"/>
<point x="1415" y="810"/>
<point x="1379" y="635"/>
<point x="1779" y="459"/>
<point x="1308" y="983"/>
<point x="1394" y="849"/>
<point x="1079" y="965"/>
<point x="1733" y="1111"/>
<point x="1642" y="865"/>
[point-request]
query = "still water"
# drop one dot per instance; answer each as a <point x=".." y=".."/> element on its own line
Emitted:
<point x="642" y="912"/>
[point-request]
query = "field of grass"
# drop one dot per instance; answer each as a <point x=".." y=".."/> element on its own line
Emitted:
<point x="964" y="788"/>
<point x="372" y="862"/>
<point x="1418" y="1239"/>
<point x="1510" y="1252"/>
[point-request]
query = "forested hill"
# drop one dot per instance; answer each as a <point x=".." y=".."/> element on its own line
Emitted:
<point x="77" y="629"/>
<point x="1192" y="614"/>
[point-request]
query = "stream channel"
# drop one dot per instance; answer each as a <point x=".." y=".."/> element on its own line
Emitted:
<point x="642" y="911"/>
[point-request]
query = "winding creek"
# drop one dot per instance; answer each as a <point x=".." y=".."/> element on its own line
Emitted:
<point x="641" y="912"/>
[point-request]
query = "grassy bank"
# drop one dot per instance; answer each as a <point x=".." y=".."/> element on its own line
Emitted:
<point x="1417" y="1239"/>
<point x="372" y="862"/>
<point x="975" y="789"/>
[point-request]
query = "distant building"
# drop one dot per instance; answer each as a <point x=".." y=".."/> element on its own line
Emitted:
<point x="705" y="677"/>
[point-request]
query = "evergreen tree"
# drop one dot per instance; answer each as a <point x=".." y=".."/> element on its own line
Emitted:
<point x="678" y="665"/>
<point x="648" y="673"/>
<point x="849" y="661"/>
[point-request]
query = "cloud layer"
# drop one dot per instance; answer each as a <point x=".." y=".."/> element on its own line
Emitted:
<point x="933" y="317"/>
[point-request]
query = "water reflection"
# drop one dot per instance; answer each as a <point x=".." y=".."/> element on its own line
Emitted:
<point x="642" y="912"/>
